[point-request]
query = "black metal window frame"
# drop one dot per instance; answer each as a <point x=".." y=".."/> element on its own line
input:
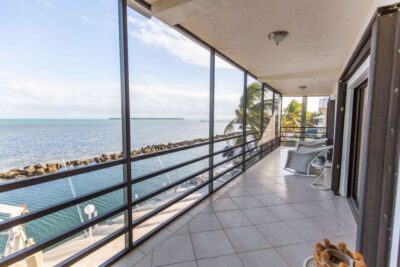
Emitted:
<point x="128" y="182"/>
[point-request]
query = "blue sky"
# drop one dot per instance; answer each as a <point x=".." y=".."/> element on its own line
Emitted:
<point x="60" y="59"/>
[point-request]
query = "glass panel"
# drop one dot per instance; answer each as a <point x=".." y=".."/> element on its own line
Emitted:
<point x="252" y="161"/>
<point x="269" y="120"/>
<point x="165" y="215"/>
<point x="103" y="254"/>
<point x="44" y="195"/>
<point x="228" y="111"/>
<point x="61" y="105"/>
<point x="55" y="223"/>
<point x="254" y="109"/>
<point x="169" y="83"/>
<point x="59" y="73"/>
<point x="146" y="166"/>
<point x="67" y="248"/>
<point x="303" y="118"/>
<point x="150" y="185"/>
<point x="228" y="116"/>
<point x="227" y="171"/>
<point x="232" y="148"/>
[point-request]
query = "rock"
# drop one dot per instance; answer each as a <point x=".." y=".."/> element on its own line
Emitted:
<point x="40" y="168"/>
<point x="39" y="171"/>
<point x="76" y="162"/>
<point x="39" y="165"/>
<point x="51" y="168"/>
<point x="59" y="165"/>
<point x="23" y="172"/>
<point x="4" y="176"/>
<point x="29" y="168"/>
<point x="10" y="175"/>
<point x="105" y="158"/>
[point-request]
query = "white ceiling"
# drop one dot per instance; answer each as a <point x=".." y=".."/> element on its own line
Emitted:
<point x="321" y="36"/>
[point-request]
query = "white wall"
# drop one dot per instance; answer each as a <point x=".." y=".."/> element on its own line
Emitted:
<point x="375" y="5"/>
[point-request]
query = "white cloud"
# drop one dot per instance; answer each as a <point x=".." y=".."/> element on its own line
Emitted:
<point x="31" y="97"/>
<point x="85" y="18"/>
<point x="105" y="21"/>
<point x="157" y="99"/>
<point x="23" y="97"/>
<point x="153" y="98"/>
<point x="157" y="34"/>
<point x="7" y="56"/>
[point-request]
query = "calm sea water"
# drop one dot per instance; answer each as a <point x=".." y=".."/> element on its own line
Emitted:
<point x="24" y="142"/>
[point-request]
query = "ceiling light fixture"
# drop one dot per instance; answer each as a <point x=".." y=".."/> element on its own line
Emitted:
<point x="302" y="87"/>
<point x="277" y="36"/>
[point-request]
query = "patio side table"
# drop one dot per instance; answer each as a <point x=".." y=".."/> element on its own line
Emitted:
<point x="318" y="183"/>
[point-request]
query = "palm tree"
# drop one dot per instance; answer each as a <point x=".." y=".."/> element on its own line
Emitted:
<point x="292" y="114"/>
<point x="253" y="113"/>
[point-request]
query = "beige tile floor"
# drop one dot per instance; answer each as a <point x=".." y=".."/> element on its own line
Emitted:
<point x="265" y="217"/>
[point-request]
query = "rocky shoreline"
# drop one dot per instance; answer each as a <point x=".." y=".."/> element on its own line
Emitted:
<point x="46" y="168"/>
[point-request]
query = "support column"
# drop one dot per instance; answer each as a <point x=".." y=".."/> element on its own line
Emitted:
<point x="244" y="119"/>
<point x="376" y="216"/>
<point x="303" y="115"/>
<point x="211" y="121"/>
<point x="125" y="114"/>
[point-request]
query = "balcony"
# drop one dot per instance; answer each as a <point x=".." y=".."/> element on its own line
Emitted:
<point x="154" y="132"/>
<point x="265" y="217"/>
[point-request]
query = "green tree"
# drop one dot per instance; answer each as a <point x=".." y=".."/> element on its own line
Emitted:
<point x="254" y="111"/>
<point x="291" y="116"/>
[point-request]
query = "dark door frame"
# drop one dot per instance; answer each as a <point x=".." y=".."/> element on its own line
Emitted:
<point x="330" y="124"/>
<point x="381" y="41"/>
<point x="355" y="147"/>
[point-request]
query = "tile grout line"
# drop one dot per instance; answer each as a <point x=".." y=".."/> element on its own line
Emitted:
<point x="239" y="185"/>
<point x="191" y="240"/>
<point x="230" y="242"/>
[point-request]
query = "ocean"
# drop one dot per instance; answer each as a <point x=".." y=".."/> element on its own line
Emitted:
<point x="26" y="142"/>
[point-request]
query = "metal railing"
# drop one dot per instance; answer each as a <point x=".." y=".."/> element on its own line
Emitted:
<point x="290" y="135"/>
<point x="256" y="153"/>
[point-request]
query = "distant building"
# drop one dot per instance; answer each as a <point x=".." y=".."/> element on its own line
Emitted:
<point x="323" y="108"/>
